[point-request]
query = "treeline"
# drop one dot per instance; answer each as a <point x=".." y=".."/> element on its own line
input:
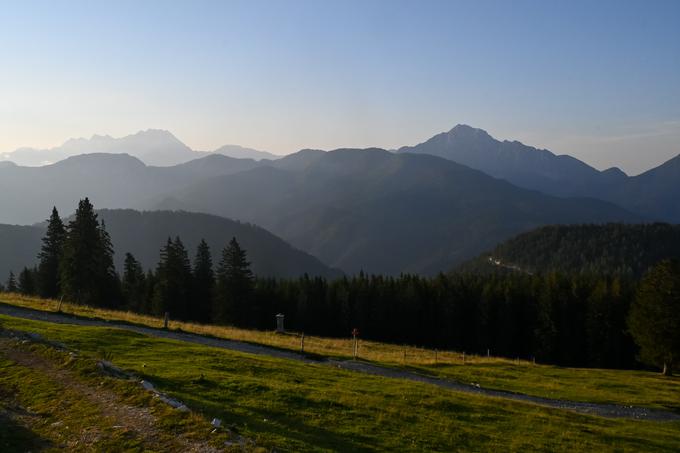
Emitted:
<point x="566" y="319"/>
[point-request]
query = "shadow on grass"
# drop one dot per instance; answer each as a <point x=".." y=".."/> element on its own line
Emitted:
<point x="274" y="423"/>
<point x="15" y="437"/>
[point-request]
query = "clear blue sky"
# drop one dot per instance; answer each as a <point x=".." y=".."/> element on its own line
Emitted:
<point x="596" y="79"/>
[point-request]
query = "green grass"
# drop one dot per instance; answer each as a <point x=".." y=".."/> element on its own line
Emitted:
<point x="44" y="405"/>
<point x="292" y="406"/>
<point x="639" y="388"/>
<point x="626" y="387"/>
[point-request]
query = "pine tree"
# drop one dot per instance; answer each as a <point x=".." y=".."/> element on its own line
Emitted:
<point x="12" y="283"/>
<point x="27" y="281"/>
<point x="133" y="285"/>
<point x="203" y="284"/>
<point x="50" y="256"/>
<point x="87" y="272"/>
<point x="655" y="316"/>
<point x="234" y="286"/>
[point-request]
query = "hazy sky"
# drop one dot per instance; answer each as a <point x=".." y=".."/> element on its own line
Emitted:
<point x="599" y="80"/>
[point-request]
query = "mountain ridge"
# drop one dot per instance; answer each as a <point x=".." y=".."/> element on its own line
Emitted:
<point x="144" y="233"/>
<point x="155" y="147"/>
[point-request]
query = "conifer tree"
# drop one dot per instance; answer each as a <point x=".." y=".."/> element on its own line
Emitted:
<point x="87" y="272"/>
<point x="234" y="285"/>
<point x="172" y="289"/>
<point x="203" y="284"/>
<point x="50" y="256"/>
<point x="655" y="316"/>
<point x="12" y="283"/>
<point x="27" y="281"/>
<point x="133" y="284"/>
<point x="149" y="286"/>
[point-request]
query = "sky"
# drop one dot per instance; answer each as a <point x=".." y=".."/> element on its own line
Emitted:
<point x="596" y="80"/>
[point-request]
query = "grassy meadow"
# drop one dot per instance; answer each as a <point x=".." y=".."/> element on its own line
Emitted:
<point x="639" y="388"/>
<point x="291" y="406"/>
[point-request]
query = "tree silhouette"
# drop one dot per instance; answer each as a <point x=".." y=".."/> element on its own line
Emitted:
<point x="50" y="256"/>
<point x="655" y="316"/>
<point x="234" y="285"/>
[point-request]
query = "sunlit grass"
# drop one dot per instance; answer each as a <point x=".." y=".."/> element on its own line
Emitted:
<point x="627" y="387"/>
<point x="294" y="406"/>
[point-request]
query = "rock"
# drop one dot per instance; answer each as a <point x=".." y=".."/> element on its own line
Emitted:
<point x="216" y="422"/>
<point x="147" y="385"/>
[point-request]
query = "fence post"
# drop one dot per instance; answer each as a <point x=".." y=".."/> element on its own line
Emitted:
<point x="61" y="299"/>
<point x="166" y="319"/>
<point x="302" y="343"/>
<point x="463" y="357"/>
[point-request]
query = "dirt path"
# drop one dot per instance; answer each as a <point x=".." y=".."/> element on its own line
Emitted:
<point x="137" y="422"/>
<point x="602" y="410"/>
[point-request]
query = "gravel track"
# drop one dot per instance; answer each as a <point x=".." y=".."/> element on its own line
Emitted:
<point x="602" y="410"/>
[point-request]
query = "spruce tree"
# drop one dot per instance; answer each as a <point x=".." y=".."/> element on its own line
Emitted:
<point x="133" y="284"/>
<point x="234" y="286"/>
<point x="149" y="287"/>
<point x="203" y="284"/>
<point x="87" y="272"/>
<point x="12" y="283"/>
<point x="654" y="318"/>
<point x="172" y="291"/>
<point x="27" y="281"/>
<point x="50" y="256"/>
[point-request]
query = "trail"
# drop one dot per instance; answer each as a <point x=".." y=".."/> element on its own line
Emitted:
<point x="602" y="410"/>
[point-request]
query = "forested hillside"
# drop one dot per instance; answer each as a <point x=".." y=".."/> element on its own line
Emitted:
<point x="610" y="249"/>
<point x="144" y="233"/>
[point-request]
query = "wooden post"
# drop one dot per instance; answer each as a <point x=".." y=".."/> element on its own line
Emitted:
<point x="302" y="343"/>
<point x="463" y="357"/>
<point x="488" y="353"/>
<point x="166" y="319"/>
<point x="61" y="299"/>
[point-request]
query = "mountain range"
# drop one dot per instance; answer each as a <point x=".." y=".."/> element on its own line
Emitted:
<point x="382" y="212"/>
<point x="421" y="209"/>
<point x="153" y="147"/>
<point x="654" y="194"/>
<point x="144" y="233"/>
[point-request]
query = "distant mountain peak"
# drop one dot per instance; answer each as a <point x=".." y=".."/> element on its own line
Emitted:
<point x="463" y="130"/>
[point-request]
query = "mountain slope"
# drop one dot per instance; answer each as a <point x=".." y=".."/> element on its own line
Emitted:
<point x="384" y="212"/>
<point x="19" y="247"/>
<point x="598" y="249"/>
<point x="144" y="233"/>
<point x="653" y="194"/>
<point x="239" y="152"/>
<point x="109" y="180"/>
<point x="522" y="165"/>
